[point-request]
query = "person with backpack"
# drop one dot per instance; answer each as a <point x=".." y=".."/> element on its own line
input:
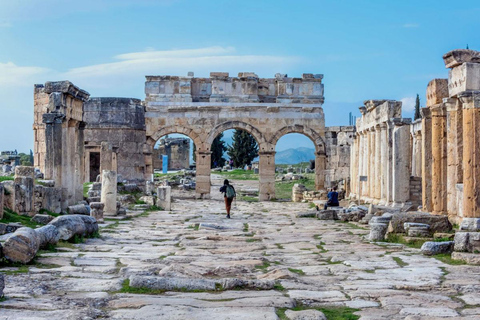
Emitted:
<point x="228" y="194"/>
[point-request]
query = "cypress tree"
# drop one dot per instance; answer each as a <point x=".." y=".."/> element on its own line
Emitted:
<point x="243" y="149"/>
<point x="218" y="148"/>
<point x="417" y="108"/>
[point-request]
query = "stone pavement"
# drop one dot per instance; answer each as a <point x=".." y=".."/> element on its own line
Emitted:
<point x="317" y="263"/>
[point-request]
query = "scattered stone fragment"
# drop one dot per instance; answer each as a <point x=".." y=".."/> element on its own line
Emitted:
<point x="377" y="231"/>
<point x="42" y="218"/>
<point x="327" y="215"/>
<point x="430" y="248"/>
<point x="22" y="246"/>
<point x="305" y="315"/>
<point x="310" y="214"/>
<point x="437" y="223"/>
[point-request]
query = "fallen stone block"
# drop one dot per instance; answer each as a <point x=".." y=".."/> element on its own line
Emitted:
<point x="48" y="235"/>
<point x="2" y="284"/>
<point x="327" y="215"/>
<point x="305" y="315"/>
<point x="419" y="232"/>
<point x="97" y="210"/>
<point x="467" y="242"/>
<point x="377" y="231"/>
<point x="470" y="224"/>
<point x="150" y="200"/>
<point x="437" y="223"/>
<point x="78" y="209"/>
<point x="470" y="258"/>
<point x="22" y="246"/>
<point x="408" y="225"/>
<point x="431" y="248"/>
<point x="310" y="214"/>
<point x="69" y="225"/>
<point x="91" y="225"/>
<point x="380" y="219"/>
<point x="42" y="218"/>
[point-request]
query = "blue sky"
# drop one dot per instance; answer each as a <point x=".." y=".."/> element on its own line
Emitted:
<point x="365" y="49"/>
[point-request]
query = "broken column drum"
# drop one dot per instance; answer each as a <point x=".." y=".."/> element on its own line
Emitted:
<point x="109" y="192"/>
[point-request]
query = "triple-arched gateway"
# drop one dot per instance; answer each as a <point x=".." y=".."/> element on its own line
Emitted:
<point x="76" y="136"/>
<point x="202" y="108"/>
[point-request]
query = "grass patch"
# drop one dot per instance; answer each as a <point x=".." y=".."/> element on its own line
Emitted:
<point x="447" y="258"/>
<point x="332" y="313"/>
<point x="263" y="267"/>
<point x="400" y="262"/>
<point x="195" y="226"/>
<point x="279" y="246"/>
<point x="398" y="238"/>
<point x="86" y="187"/>
<point x="283" y="189"/>
<point x="7" y="178"/>
<point x="311" y="205"/>
<point x="329" y="261"/>
<point x="245" y="227"/>
<point x="277" y="286"/>
<point x="45" y="211"/>
<point x="10" y="216"/>
<point x="297" y="271"/>
<point x="351" y="225"/>
<point x="248" y="198"/>
<point x="239" y="174"/>
<point x="321" y="248"/>
<point x="253" y="240"/>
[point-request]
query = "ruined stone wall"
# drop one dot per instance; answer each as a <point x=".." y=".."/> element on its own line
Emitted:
<point x="202" y="108"/>
<point x="338" y="144"/>
<point x="381" y="154"/>
<point x="177" y="150"/>
<point x="121" y="123"/>
<point x="58" y="132"/>
<point x="452" y="139"/>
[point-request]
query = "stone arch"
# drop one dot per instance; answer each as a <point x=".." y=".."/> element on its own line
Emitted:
<point x="234" y="125"/>
<point x="316" y="138"/>
<point x="151" y="140"/>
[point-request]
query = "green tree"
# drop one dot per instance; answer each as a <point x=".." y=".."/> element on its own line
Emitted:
<point x="417" y="108"/>
<point x="218" y="149"/>
<point x="243" y="149"/>
<point x="25" y="159"/>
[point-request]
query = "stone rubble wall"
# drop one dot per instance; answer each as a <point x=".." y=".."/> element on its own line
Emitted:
<point x="338" y="144"/>
<point x="177" y="150"/>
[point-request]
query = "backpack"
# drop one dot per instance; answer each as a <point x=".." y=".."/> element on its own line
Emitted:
<point x="230" y="193"/>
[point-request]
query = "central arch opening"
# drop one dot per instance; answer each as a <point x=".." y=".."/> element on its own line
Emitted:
<point x="235" y="157"/>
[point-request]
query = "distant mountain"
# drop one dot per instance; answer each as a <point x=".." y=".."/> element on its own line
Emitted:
<point x="294" y="156"/>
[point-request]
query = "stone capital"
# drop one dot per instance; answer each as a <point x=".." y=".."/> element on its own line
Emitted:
<point x="398" y="122"/>
<point x="426" y="113"/>
<point x="470" y="99"/>
<point x="383" y="125"/>
<point x="68" y="88"/>
<point x="459" y="56"/>
<point x="438" y="110"/>
<point x="50" y="118"/>
<point x="450" y="104"/>
<point x="363" y="110"/>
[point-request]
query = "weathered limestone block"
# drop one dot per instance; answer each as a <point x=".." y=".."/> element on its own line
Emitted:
<point x="47" y="235"/>
<point x="355" y="215"/>
<point x="419" y="232"/>
<point x="408" y="225"/>
<point x="467" y="242"/>
<point x="150" y="200"/>
<point x="2" y="284"/>
<point x="69" y="225"/>
<point x="109" y="192"/>
<point x="470" y="224"/>
<point x="91" y="225"/>
<point x="437" y="223"/>
<point x="24" y="190"/>
<point x="377" y="231"/>
<point x="431" y="248"/>
<point x="78" y="209"/>
<point x="22" y="246"/>
<point x="48" y="198"/>
<point x="164" y="197"/>
<point x="297" y="192"/>
<point x="42" y="218"/>
<point x="305" y="315"/>
<point x="470" y="258"/>
<point x="327" y="215"/>
<point x="97" y="210"/>
<point x="311" y="214"/>
<point x="1" y="200"/>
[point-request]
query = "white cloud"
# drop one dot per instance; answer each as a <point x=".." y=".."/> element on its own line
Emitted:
<point x="411" y="25"/>
<point x="12" y="75"/>
<point x="408" y="104"/>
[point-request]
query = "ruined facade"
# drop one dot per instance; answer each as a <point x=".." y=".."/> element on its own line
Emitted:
<point x="59" y="137"/>
<point x="381" y="154"/>
<point x="121" y="123"/>
<point x="339" y="141"/>
<point x="452" y="140"/>
<point x="202" y="108"/>
<point x="177" y="150"/>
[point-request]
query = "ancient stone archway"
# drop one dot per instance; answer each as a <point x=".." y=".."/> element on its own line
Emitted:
<point x="201" y="108"/>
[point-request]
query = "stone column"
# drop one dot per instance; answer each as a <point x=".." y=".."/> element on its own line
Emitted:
<point x="417" y="155"/>
<point x="361" y="147"/>
<point x="427" y="204"/>
<point x="378" y="164"/>
<point x="454" y="155"/>
<point x="401" y="163"/>
<point x="24" y="190"/>
<point x="202" y="189"/>
<point x="372" y="166"/>
<point x="79" y="162"/>
<point x="353" y="165"/>
<point x="53" y="147"/>
<point x="2" y="192"/>
<point x="439" y="159"/>
<point x="383" y="163"/>
<point x="266" y="169"/>
<point x="319" y="170"/>
<point x="164" y="197"/>
<point x="389" y="163"/>
<point x="109" y="192"/>
<point x="106" y="156"/>
<point x="471" y="154"/>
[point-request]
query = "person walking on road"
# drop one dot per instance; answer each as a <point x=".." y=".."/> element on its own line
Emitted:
<point x="228" y="194"/>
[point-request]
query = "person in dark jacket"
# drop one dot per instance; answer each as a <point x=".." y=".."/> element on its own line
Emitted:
<point x="228" y="194"/>
<point x="332" y="199"/>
